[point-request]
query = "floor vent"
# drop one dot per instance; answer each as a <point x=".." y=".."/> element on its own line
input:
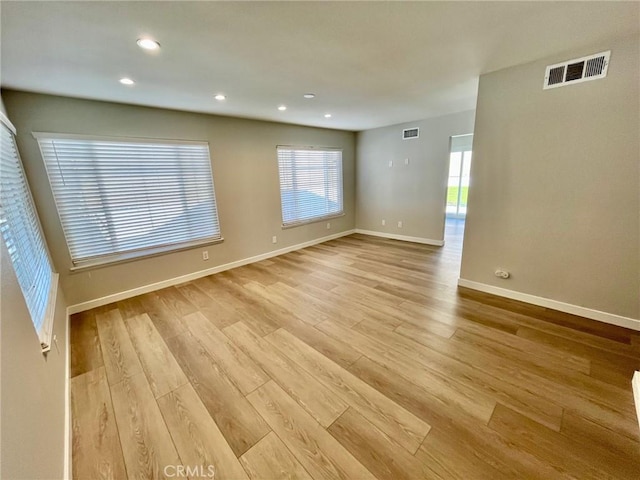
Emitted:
<point x="578" y="70"/>
<point x="408" y="133"/>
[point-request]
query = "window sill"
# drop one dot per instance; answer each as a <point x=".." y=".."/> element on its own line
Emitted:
<point x="311" y="220"/>
<point x="46" y="331"/>
<point x="140" y="254"/>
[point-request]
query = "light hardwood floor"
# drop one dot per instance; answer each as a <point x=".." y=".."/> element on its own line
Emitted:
<point x="355" y="359"/>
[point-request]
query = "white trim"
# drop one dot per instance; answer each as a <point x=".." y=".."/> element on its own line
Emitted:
<point x="404" y="238"/>
<point x="46" y="330"/>
<point x="308" y="147"/>
<point x="635" y="386"/>
<point x="67" y="403"/>
<point x="98" y="302"/>
<point x="286" y="226"/>
<point x="139" y="254"/>
<point x="108" y="138"/>
<point x="605" y="317"/>
<point x="7" y="123"/>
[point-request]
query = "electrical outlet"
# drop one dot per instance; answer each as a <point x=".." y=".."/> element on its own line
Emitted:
<point x="328" y="225"/>
<point x="274" y="239"/>
<point x="406" y="161"/>
<point x="400" y="224"/>
<point x="390" y="163"/>
<point x="205" y="255"/>
<point x="384" y="222"/>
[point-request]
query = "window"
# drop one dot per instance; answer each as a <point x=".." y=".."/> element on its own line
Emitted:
<point x="310" y="184"/>
<point x="125" y="198"/>
<point x="23" y="237"/>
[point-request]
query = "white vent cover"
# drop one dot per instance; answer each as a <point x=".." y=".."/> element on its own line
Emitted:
<point x="408" y="133"/>
<point x="578" y="70"/>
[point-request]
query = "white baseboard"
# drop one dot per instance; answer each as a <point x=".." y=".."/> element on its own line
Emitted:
<point x="611" y="318"/>
<point x="67" y="403"/>
<point x="115" y="297"/>
<point x="635" y="386"/>
<point x="404" y="238"/>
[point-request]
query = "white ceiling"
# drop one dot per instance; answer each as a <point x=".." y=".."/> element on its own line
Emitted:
<point x="369" y="63"/>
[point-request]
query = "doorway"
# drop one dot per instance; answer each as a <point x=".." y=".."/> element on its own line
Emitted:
<point x="459" y="175"/>
<point x="460" y="155"/>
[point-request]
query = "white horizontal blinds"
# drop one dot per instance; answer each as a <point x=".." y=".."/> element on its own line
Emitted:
<point x="462" y="143"/>
<point x="310" y="183"/>
<point x="21" y="232"/>
<point x="115" y="196"/>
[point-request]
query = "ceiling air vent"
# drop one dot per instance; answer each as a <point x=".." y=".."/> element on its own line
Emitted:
<point x="408" y="133"/>
<point x="577" y="71"/>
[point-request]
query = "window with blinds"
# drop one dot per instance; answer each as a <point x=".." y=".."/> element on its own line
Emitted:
<point x="23" y="237"/>
<point x="310" y="184"/>
<point x="124" y="198"/>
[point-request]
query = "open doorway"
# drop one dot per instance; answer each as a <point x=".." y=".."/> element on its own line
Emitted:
<point x="460" y="156"/>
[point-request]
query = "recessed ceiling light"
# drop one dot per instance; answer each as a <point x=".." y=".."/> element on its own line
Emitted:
<point x="309" y="95"/>
<point x="220" y="97"/>
<point x="126" y="81"/>
<point x="282" y="108"/>
<point x="148" y="44"/>
<point x="327" y="115"/>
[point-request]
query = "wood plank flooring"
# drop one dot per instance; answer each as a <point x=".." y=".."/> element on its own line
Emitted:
<point x="358" y="358"/>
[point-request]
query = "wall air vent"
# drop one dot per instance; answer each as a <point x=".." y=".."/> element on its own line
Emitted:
<point x="408" y="133"/>
<point x="579" y="70"/>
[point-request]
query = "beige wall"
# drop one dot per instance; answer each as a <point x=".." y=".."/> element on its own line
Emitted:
<point x="245" y="174"/>
<point x="415" y="193"/>
<point x="32" y="386"/>
<point x="555" y="184"/>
